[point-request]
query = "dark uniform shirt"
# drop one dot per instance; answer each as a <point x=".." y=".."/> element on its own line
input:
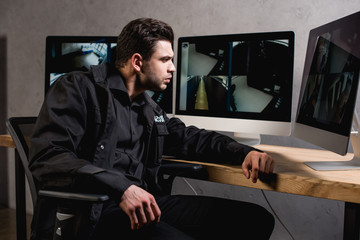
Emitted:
<point x="130" y="143"/>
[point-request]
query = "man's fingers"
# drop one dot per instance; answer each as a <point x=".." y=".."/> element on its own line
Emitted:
<point x="254" y="174"/>
<point x="272" y="165"/>
<point x="156" y="210"/>
<point x="265" y="162"/>
<point x="140" y="206"/>
<point x="142" y="216"/>
<point x="145" y="215"/>
<point x="256" y="163"/>
<point x="246" y="171"/>
<point x="150" y="216"/>
<point x="134" y="220"/>
<point x="269" y="166"/>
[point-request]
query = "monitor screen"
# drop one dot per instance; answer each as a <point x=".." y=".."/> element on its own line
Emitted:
<point x="330" y="84"/>
<point x="77" y="53"/>
<point x="237" y="83"/>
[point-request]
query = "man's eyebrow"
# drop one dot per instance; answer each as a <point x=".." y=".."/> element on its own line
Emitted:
<point x="167" y="57"/>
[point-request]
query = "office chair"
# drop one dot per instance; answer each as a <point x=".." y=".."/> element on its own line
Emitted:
<point x="68" y="222"/>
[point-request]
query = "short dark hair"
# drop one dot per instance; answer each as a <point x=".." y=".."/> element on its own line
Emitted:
<point x="140" y="36"/>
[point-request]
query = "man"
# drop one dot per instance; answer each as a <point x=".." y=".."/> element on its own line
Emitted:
<point x="99" y="131"/>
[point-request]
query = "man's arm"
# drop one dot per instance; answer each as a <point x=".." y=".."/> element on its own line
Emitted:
<point x="199" y="144"/>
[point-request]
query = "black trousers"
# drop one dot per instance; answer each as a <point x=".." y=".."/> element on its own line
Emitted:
<point x="191" y="217"/>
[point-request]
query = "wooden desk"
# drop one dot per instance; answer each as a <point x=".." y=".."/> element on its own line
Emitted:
<point x="6" y="141"/>
<point x="293" y="176"/>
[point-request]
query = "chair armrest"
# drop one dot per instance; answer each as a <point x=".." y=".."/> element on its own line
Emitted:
<point x="86" y="197"/>
<point x="72" y="214"/>
<point x="189" y="170"/>
<point x="169" y="170"/>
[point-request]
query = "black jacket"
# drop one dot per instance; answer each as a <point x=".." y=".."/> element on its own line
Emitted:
<point x="74" y="142"/>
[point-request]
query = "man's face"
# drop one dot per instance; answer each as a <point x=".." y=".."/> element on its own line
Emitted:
<point x="156" y="73"/>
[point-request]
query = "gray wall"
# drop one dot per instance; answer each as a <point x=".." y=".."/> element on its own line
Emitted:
<point x="24" y="26"/>
<point x="3" y="100"/>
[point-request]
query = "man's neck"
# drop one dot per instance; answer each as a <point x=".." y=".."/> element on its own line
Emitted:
<point x="130" y="81"/>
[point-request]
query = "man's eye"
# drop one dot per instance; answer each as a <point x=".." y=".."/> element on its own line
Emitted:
<point x="165" y="59"/>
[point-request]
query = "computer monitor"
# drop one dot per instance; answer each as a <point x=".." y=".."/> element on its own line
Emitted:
<point x="236" y="83"/>
<point x="77" y="53"/>
<point x="329" y="88"/>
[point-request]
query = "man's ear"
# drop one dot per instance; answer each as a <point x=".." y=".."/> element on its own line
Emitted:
<point x="137" y="62"/>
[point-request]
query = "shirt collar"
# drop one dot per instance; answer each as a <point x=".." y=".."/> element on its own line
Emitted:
<point x="116" y="81"/>
<point x="117" y="85"/>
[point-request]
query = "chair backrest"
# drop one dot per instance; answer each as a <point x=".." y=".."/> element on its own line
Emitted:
<point x="21" y="129"/>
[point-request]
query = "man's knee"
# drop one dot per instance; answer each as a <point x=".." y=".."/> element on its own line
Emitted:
<point x="247" y="220"/>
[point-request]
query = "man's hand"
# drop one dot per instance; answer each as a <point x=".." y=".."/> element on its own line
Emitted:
<point x="140" y="206"/>
<point x="256" y="162"/>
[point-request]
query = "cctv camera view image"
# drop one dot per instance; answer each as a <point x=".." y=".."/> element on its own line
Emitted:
<point x="236" y="79"/>
<point x="64" y="57"/>
<point x="67" y="57"/>
<point x="330" y="93"/>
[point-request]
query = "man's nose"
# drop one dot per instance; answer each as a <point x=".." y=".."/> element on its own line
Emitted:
<point x="172" y="67"/>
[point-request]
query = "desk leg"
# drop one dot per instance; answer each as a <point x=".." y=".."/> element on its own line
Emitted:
<point x="352" y="221"/>
<point x="20" y="198"/>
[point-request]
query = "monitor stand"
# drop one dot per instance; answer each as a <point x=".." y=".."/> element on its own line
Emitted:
<point x="352" y="164"/>
<point x="244" y="138"/>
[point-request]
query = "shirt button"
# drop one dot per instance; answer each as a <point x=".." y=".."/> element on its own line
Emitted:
<point x="102" y="147"/>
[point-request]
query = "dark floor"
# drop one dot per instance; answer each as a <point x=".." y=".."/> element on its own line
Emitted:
<point x="8" y="224"/>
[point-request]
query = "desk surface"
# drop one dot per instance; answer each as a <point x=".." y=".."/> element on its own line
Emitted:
<point x="291" y="174"/>
<point x="6" y="141"/>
